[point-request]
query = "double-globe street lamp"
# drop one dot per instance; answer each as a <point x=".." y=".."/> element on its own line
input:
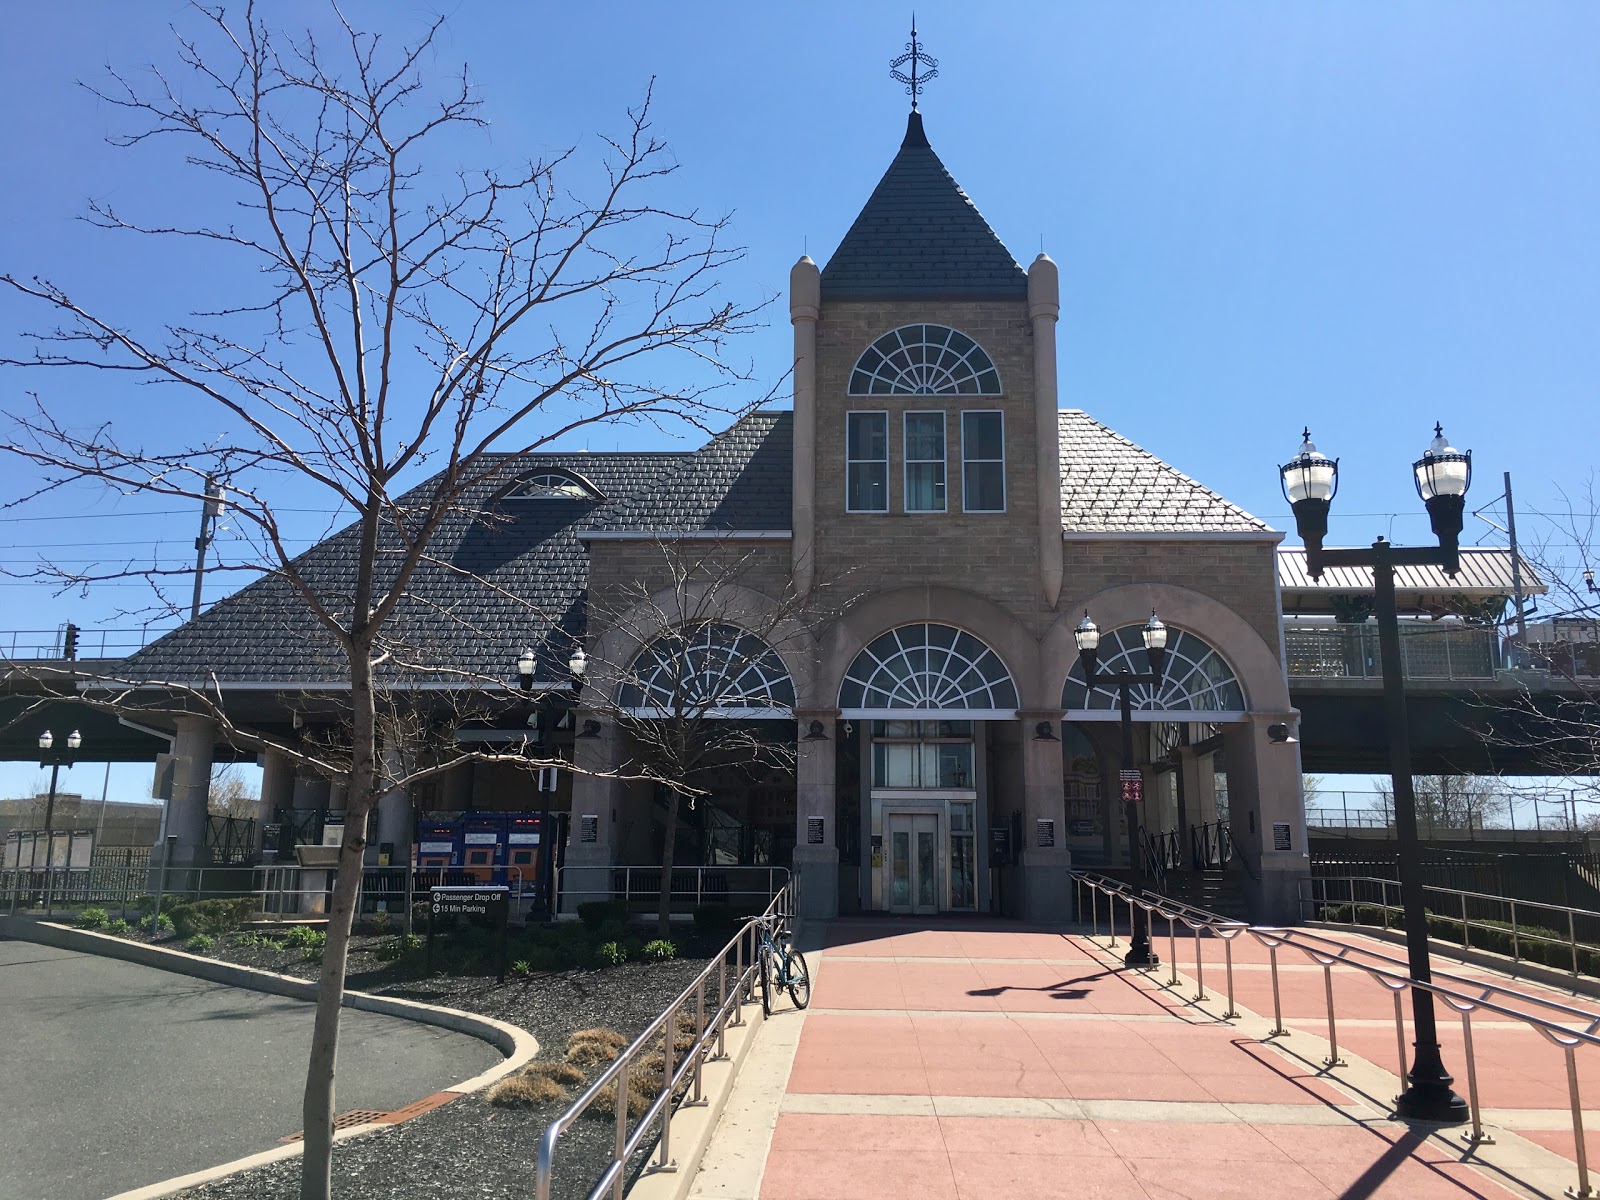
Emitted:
<point x="1154" y="633"/>
<point x="55" y="759"/>
<point x="1442" y="476"/>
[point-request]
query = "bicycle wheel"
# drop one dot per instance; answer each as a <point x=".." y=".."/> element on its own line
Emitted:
<point x="764" y="974"/>
<point x="799" y="979"/>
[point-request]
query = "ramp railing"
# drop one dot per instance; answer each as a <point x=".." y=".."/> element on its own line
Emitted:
<point x="1562" y="1025"/>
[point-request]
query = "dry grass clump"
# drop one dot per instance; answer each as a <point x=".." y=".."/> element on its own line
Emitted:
<point x="516" y="1091"/>
<point x="605" y="1102"/>
<point x="537" y="1083"/>
<point x="588" y="1047"/>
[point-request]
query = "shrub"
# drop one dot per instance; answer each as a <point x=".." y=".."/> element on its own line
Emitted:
<point x="258" y="940"/>
<point x="612" y="931"/>
<point x="118" y="927"/>
<point x="522" y="967"/>
<point x="610" y="954"/>
<point x="200" y="943"/>
<point x="312" y="941"/>
<point x="91" y="918"/>
<point x="403" y="946"/>
<point x="158" y="925"/>
<point x="596" y="913"/>
<point x="587" y="1047"/>
<point x="213" y="916"/>
<point x="659" y="950"/>
<point x="380" y="922"/>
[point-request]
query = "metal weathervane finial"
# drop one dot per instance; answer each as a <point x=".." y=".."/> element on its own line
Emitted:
<point x="923" y="67"/>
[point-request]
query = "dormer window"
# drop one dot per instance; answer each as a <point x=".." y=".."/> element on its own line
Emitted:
<point x="924" y="360"/>
<point x="551" y="485"/>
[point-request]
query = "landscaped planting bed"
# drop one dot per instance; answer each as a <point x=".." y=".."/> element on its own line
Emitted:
<point x="474" y="1147"/>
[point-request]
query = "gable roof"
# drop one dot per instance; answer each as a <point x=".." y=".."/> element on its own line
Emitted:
<point x="740" y="479"/>
<point x="1110" y="485"/>
<point x="920" y="235"/>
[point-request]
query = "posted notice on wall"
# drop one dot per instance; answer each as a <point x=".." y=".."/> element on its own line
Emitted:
<point x="1046" y="829"/>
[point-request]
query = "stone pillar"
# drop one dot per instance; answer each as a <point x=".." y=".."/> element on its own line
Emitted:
<point x="394" y="823"/>
<point x="1266" y="810"/>
<point x="1046" y="888"/>
<point x="277" y="788"/>
<point x="595" y="800"/>
<point x="191" y="790"/>
<point x="816" y="864"/>
<point x="805" y="303"/>
<point x="1044" y="308"/>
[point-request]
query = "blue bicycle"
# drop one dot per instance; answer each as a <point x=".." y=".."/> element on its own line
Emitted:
<point x="779" y="965"/>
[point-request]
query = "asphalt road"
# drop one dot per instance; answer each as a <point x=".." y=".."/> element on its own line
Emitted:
<point x="114" y="1076"/>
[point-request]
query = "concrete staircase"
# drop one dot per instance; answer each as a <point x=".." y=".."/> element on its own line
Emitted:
<point x="1220" y="892"/>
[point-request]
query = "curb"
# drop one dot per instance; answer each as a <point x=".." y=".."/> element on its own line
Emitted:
<point x="518" y="1045"/>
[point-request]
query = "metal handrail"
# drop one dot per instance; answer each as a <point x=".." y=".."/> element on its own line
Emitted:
<point x="1461" y="994"/>
<point x="729" y="1011"/>
<point x="1316" y="906"/>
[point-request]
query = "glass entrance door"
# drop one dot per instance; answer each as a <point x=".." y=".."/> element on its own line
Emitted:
<point x="913" y="862"/>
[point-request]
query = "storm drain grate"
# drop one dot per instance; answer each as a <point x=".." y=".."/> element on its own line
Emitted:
<point x="426" y="1104"/>
<point x="345" y="1120"/>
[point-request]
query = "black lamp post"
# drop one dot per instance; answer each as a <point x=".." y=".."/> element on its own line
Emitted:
<point x="1087" y="635"/>
<point x="55" y="760"/>
<point x="1442" y="475"/>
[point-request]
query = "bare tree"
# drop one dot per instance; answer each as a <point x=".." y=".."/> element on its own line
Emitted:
<point x="704" y="688"/>
<point x="230" y="796"/>
<point x="1452" y="801"/>
<point x="1557" y="727"/>
<point x="389" y="314"/>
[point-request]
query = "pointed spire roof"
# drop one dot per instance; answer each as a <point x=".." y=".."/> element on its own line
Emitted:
<point x="921" y="236"/>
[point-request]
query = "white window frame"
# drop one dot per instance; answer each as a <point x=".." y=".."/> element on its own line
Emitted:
<point x="850" y="462"/>
<point x="1005" y="490"/>
<point x="908" y="462"/>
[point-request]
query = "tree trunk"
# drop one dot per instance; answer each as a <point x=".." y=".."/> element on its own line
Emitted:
<point x="668" y="852"/>
<point x="316" y="1167"/>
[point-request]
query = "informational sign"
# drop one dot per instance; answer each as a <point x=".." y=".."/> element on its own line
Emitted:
<point x="1132" y="787"/>
<point x="493" y="903"/>
<point x="470" y="901"/>
<point x="589" y="828"/>
<point x="481" y="839"/>
<point x="814" y="831"/>
<point x="1280" y="836"/>
<point x="523" y="839"/>
<point x="999" y="846"/>
<point x="437" y="847"/>
<point x="1046" y="832"/>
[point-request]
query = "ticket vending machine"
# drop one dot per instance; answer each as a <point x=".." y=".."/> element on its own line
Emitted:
<point x="525" y="860"/>
<point x="438" y="843"/>
<point x="483" y="843"/>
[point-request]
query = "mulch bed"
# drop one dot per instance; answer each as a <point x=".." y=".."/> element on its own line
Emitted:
<point x="471" y="1148"/>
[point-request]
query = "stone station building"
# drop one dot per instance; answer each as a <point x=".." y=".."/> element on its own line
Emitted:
<point x="947" y="754"/>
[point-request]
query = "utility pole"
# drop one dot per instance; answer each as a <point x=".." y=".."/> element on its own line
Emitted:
<point x="209" y="511"/>
<point x="1516" y="577"/>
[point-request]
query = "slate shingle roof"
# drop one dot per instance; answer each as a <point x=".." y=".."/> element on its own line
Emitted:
<point x="1110" y="485"/>
<point x="920" y="235"/>
<point x="741" y="479"/>
<point x="528" y="551"/>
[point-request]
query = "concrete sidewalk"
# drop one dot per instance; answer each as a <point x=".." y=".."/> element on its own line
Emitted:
<point x="969" y="1060"/>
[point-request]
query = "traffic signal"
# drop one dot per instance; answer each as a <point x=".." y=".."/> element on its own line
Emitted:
<point x="69" y="642"/>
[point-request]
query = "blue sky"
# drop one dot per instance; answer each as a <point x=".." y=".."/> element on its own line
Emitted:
<point x="1358" y="216"/>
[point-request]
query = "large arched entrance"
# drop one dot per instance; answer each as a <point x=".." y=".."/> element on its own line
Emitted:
<point x="920" y="695"/>
<point x="1178" y="726"/>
